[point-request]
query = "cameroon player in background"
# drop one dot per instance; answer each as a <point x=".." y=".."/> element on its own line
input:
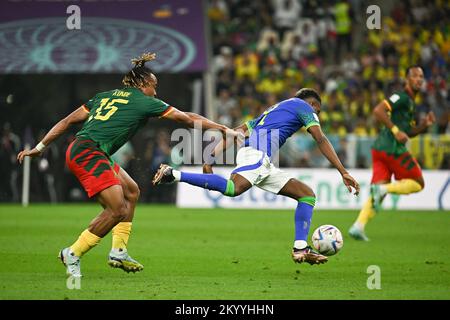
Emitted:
<point x="389" y="153"/>
<point x="111" y="119"/>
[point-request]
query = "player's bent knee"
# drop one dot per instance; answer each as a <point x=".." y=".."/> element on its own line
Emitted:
<point x="297" y="189"/>
<point x="133" y="195"/>
<point x="308" y="192"/>
<point x="120" y="211"/>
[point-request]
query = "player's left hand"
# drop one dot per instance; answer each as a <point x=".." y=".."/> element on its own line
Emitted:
<point x="350" y="182"/>
<point x="430" y="119"/>
<point x="28" y="153"/>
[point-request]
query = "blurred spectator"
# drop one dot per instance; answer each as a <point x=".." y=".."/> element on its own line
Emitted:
<point x="224" y="81"/>
<point x="441" y="109"/>
<point x="46" y="171"/>
<point x="343" y="15"/>
<point x="157" y="151"/>
<point x="420" y="12"/>
<point x="350" y="65"/>
<point x="224" y="60"/>
<point x="272" y="83"/>
<point x="218" y="10"/>
<point x="247" y="65"/>
<point x="9" y="147"/>
<point x="295" y="49"/>
<point x="161" y="150"/>
<point x="224" y="105"/>
<point x="308" y="33"/>
<point x="399" y="13"/>
<point x="287" y="13"/>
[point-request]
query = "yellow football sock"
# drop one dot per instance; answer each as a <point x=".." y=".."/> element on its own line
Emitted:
<point x="121" y="233"/>
<point x="85" y="242"/>
<point x="404" y="186"/>
<point x="367" y="212"/>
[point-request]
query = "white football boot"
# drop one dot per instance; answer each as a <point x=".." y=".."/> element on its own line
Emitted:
<point x="71" y="261"/>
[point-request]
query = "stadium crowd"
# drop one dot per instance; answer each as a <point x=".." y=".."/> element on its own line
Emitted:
<point x="264" y="51"/>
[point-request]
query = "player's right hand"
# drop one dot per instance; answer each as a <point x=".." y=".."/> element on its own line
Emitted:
<point x="240" y="137"/>
<point x="207" y="168"/>
<point x="401" y="137"/>
<point x="350" y="182"/>
<point x="28" y="153"/>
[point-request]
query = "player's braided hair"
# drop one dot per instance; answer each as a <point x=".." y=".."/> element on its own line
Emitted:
<point x="139" y="76"/>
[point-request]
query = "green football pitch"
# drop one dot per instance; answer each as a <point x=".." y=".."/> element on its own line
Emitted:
<point x="224" y="254"/>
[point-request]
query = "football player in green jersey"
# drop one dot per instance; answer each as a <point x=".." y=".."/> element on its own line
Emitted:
<point x="110" y="119"/>
<point x="389" y="153"/>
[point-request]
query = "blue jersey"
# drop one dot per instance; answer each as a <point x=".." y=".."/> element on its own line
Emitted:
<point x="271" y="129"/>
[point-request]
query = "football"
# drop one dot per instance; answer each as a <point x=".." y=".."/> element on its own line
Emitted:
<point x="327" y="239"/>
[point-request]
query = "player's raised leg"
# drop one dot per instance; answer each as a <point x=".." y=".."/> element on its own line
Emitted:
<point x="401" y="187"/>
<point x="118" y="256"/>
<point x="306" y="198"/>
<point x="115" y="211"/>
<point x="251" y="165"/>
<point x="232" y="187"/>
<point x="408" y="177"/>
<point x="405" y="186"/>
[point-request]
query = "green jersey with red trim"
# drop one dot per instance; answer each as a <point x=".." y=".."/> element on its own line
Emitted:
<point x="402" y="113"/>
<point x="116" y="115"/>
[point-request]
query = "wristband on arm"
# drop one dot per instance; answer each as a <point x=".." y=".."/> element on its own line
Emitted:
<point x="40" y="147"/>
<point x="395" y="130"/>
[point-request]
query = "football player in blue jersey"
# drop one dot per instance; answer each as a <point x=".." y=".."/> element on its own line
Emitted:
<point x="254" y="164"/>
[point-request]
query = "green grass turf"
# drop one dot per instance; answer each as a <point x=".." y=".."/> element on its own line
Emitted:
<point x="223" y="254"/>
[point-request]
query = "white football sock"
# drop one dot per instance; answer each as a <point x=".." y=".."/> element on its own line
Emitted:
<point x="176" y="174"/>
<point x="359" y="226"/>
<point x="300" y="244"/>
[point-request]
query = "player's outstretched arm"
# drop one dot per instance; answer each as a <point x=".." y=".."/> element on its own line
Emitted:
<point x="328" y="151"/>
<point x="197" y="117"/>
<point x="380" y="113"/>
<point x="58" y="129"/>
<point x="190" y="118"/>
